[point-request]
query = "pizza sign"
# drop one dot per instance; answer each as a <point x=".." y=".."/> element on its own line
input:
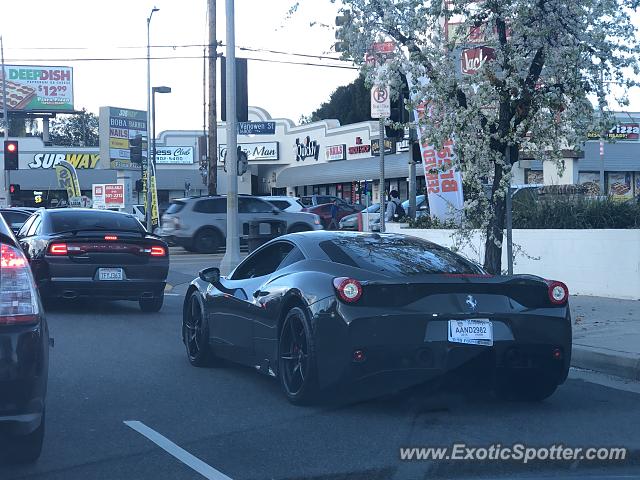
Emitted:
<point x="38" y="89"/>
<point x="621" y="131"/>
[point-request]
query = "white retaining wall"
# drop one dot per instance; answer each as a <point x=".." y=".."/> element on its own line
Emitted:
<point x="604" y="263"/>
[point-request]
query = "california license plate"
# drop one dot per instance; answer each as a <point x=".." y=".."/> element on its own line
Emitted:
<point x="110" y="274"/>
<point x="472" y="332"/>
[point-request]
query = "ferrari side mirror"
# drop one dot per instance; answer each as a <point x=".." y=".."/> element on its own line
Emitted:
<point x="210" y="275"/>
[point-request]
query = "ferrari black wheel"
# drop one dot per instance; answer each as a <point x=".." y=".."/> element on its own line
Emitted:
<point x="297" y="358"/>
<point x="196" y="334"/>
<point x="526" y="386"/>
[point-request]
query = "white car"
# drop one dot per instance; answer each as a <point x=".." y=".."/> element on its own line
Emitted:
<point x="284" y="203"/>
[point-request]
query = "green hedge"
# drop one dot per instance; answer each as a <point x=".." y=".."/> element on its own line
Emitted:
<point x="560" y="212"/>
<point x="576" y="213"/>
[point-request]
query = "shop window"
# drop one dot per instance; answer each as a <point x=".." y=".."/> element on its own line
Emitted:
<point x="620" y="184"/>
<point x="590" y="181"/>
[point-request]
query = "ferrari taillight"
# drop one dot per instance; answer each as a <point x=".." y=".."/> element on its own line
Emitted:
<point x="558" y="292"/>
<point x="18" y="296"/>
<point x="348" y="289"/>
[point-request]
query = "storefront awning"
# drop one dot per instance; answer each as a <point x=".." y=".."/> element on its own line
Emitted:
<point x="395" y="166"/>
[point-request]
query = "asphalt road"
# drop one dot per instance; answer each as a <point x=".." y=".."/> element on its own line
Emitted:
<point x="113" y="364"/>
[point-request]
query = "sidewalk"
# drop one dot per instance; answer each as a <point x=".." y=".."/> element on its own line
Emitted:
<point x="606" y="335"/>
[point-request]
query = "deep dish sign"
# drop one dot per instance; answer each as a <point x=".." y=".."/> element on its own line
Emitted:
<point x="38" y="89"/>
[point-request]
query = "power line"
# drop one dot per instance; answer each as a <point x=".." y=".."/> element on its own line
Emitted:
<point x="173" y="57"/>
<point x="195" y="45"/>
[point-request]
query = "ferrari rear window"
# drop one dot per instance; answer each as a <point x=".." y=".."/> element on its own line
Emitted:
<point x="396" y="255"/>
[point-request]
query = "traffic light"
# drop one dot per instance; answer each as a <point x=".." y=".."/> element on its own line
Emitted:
<point x="399" y="112"/>
<point x="135" y="149"/>
<point x="10" y="155"/>
<point x="139" y="186"/>
<point x="14" y="189"/>
<point x="342" y="21"/>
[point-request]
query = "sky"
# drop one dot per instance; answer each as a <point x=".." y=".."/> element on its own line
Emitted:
<point x="55" y="33"/>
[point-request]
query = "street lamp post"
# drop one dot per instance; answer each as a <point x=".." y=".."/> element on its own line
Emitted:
<point x="148" y="210"/>
<point x="232" y="255"/>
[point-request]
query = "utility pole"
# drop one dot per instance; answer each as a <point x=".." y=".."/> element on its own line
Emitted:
<point x="232" y="255"/>
<point x="212" y="146"/>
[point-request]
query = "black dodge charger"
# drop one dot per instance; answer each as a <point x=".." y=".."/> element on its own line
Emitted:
<point x="335" y="309"/>
<point x="24" y="355"/>
<point x="76" y="252"/>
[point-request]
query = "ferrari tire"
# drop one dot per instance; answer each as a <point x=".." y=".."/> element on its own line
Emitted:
<point x="297" y="358"/>
<point x="525" y="386"/>
<point x="195" y="333"/>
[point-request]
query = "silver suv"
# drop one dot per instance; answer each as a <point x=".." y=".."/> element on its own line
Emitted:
<point x="199" y="224"/>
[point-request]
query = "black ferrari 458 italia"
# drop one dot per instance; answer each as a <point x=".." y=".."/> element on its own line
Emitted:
<point x="340" y="309"/>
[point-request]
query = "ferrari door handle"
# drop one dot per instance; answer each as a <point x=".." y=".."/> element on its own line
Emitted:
<point x="260" y="293"/>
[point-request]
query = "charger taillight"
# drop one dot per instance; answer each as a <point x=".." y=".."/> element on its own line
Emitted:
<point x="18" y="296"/>
<point x="58" y="249"/>
<point x="348" y="289"/>
<point x="158" y="251"/>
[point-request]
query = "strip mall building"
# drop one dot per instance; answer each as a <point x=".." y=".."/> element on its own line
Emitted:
<point x="321" y="157"/>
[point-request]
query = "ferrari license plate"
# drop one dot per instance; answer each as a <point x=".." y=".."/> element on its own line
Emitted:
<point x="472" y="332"/>
<point x="110" y="274"/>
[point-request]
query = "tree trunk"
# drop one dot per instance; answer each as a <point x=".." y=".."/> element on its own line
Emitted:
<point x="495" y="229"/>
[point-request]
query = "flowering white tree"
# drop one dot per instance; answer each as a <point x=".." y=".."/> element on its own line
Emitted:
<point x="545" y="77"/>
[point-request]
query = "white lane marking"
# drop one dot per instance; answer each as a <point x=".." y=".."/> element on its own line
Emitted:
<point x="181" y="454"/>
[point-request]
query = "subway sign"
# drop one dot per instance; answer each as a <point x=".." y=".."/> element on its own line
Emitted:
<point x="50" y="160"/>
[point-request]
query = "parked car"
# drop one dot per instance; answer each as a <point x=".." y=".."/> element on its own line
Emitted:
<point x="312" y="200"/>
<point x="340" y="310"/>
<point x="15" y="217"/>
<point x="284" y="203"/>
<point x="83" y="252"/>
<point x="350" y="222"/>
<point x="24" y="354"/>
<point x="137" y="211"/>
<point x="200" y="223"/>
<point x="324" y="211"/>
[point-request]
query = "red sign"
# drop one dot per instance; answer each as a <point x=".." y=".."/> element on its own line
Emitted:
<point x="114" y="195"/>
<point x="359" y="148"/>
<point x="474" y="58"/>
<point x="384" y="47"/>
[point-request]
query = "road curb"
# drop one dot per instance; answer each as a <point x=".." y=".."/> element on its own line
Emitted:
<point x="611" y="362"/>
